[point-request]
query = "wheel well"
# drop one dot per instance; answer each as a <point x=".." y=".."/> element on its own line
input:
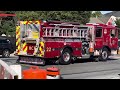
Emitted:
<point x="68" y="47"/>
<point x="107" y="48"/>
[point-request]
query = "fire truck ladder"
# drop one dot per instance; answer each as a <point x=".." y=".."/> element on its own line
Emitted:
<point x="65" y="32"/>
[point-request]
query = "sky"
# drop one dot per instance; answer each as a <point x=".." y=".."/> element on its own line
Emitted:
<point x="104" y="12"/>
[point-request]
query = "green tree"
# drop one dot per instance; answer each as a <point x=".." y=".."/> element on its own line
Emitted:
<point x="8" y="23"/>
<point x="96" y="14"/>
<point x="117" y="23"/>
<point x="73" y="16"/>
<point x="9" y="12"/>
<point x="8" y="28"/>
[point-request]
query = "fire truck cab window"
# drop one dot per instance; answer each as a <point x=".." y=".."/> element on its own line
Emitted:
<point x="113" y="32"/>
<point x="98" y="32"/>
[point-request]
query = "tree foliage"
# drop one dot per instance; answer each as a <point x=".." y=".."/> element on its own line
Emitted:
<point x="96" y="14"/>
<point x="72" y="16"/>
<point x="8" y="26"/>
<point x="117" y="23"/>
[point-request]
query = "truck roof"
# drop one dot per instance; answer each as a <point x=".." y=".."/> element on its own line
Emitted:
<point x="102" y="25"/>
<point x="59" y="22"/>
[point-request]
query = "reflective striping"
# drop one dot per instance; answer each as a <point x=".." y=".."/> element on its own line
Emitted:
<point x="17" y="42"/>
<point x="19" y="47"/>
<point x="30" y="22"/>
<point x="18" y="39"/>
<point x="18" y="52"/>
<point x="17" y="36"/>
<point x="17" y="32"/>
<point x="24" y="22"/>
<point x="37" y="22"/>
<point x="17" y="28"/>
<point x="41" y="49"/>
<point x="42" y="43"/>
<point x="24" y="47"/>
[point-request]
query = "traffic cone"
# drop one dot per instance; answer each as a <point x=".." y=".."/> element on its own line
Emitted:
<point x="53" y="73"/>
<point x="34" y="73"/>
<point x="91" y="47"/>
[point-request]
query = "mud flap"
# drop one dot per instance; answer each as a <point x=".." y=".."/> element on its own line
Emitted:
<point x="30" y="60"/>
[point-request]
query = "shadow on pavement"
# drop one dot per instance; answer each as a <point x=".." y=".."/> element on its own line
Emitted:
<point x="110" y="59"/>
<point x="87" y="60"/>
<point x="82" y="61"/>
<point x="77" y="61"/>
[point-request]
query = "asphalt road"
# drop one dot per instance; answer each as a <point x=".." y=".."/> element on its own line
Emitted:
<point x="82" y="69"/>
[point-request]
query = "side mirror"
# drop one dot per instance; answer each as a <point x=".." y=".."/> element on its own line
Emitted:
<point x="112" y="35"/>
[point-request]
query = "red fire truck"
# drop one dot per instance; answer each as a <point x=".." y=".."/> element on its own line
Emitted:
<point x="64" y="42"/>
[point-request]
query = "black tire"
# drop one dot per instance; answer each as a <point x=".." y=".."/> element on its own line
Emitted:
<point x="104" y="55"/>
<point x="6" y="53"/>
<point x="65" y="60"/>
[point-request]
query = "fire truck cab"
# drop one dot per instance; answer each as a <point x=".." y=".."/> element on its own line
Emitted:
<point x="105" y="40"/>
<point x="63" y="42"/>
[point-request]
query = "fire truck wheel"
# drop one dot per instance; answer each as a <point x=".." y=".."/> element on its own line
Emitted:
<point x="65" y="58"/>
<point x="6" y="53"/>
<point x="104" y="55"/>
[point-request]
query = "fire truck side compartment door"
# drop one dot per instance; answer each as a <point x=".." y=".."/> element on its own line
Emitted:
<point x="106" y="37"/>
<point x="114" y="38"/>
<point x="52" y="49"/>
<point x="98" y="37"/>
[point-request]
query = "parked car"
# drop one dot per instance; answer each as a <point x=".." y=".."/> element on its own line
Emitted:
<point x="6" y="47"/>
